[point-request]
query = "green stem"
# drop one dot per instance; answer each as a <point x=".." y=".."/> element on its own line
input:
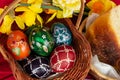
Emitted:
<point x="50" y="7"/>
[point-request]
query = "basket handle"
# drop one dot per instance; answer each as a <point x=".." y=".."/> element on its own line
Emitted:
<point x="3" y="52"/>
<point x="80" y="14"/>
<point x="11" y="6"/>
<point x="83" y="23"/>
<point x="78" y="22"/>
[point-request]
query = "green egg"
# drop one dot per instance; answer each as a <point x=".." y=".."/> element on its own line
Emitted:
<point x="41" y="41"/>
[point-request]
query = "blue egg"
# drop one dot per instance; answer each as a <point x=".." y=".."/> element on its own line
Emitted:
<point x="61" y="34"/>
<point x="36" y="66"/>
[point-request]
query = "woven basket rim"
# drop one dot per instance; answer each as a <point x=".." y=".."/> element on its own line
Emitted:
<point x="83" y="48"/>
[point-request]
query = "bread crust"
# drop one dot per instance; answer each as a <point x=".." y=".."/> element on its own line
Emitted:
<point x="104" y="41"/>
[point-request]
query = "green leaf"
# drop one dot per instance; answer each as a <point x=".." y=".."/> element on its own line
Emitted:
<point x="24" y="4"/>
<point x="50" y="7"/>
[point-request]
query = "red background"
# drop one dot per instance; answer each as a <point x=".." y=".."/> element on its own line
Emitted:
<point x="5" y="71"/>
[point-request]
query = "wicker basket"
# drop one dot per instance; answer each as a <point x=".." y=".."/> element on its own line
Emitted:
<point x="80" y="44"/>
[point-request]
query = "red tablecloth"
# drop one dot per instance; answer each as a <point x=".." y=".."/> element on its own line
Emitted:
<point x="4" y="2"/>
<point x="5" y="71"/>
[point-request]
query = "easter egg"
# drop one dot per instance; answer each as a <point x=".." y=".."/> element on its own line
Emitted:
<point x="41" y="41"/>
<point x="36" y="66"/>
<point x="61" y="34"/>
<point x="62" y="58"/>
<point x="17" y="44"/>
<point x="29" y="29"/>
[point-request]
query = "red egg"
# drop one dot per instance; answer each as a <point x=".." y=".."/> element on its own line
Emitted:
<point x="17" y="44"/>
<point x="62" y="58"/>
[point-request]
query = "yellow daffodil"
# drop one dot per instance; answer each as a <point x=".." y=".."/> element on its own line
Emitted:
<point x="50" y="11"/>
<point x="68" y="7"/>
<point x="6" y="24"/>
<point x="100" y="6"/>
<point x="1" y="10"/>
<point x="29" y="15"/>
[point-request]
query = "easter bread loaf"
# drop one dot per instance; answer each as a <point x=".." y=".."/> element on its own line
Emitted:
<point x="104" y="37"/>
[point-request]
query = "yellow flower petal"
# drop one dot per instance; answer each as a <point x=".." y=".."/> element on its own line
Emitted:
<point x="36" y="8"/>
<point x="30" y="13"/>
<point x="49" y="11"/>
<point x="31" y="1"/>
<point x="59" y="14"/>
<point x="68" y="4"/>
<point x="21" y="9"/>
<point x="29" y="18"/>
<point x="6" y="25"/>
<point x="34" y="1"/>
<point x="90" y="3"/>
<point x="19" y="22"/>
<point x="68" y="7"/>
<point x="109" y="5"/>
<point x="100" y="6"/>
<point x="40" y="20"/>
<point x="67" y="13"/>
<point x="1" y="10"/>
<point x="51" y="18"/>
<point x="64" y="14"/>
<point x="38" y="1"/>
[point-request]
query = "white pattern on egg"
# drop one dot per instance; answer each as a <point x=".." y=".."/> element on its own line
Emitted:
<point x="38" y="44"/>
<point x="64" y="34"/>
<point x="45" y="48"/>
<point x="43" y="36"/>
<point x="33" y="33"/>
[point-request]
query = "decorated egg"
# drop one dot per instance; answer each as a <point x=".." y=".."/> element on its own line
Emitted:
<point x="36" y="66"/>
<point x="61" y="34"/>
<point x="41" y="41"/>
<point x="62" y="58"/>
<point x="17" y="44"/>
<point x="29" y="29"/>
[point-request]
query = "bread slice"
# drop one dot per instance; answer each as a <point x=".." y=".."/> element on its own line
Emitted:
<point x="104" y="37"/>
